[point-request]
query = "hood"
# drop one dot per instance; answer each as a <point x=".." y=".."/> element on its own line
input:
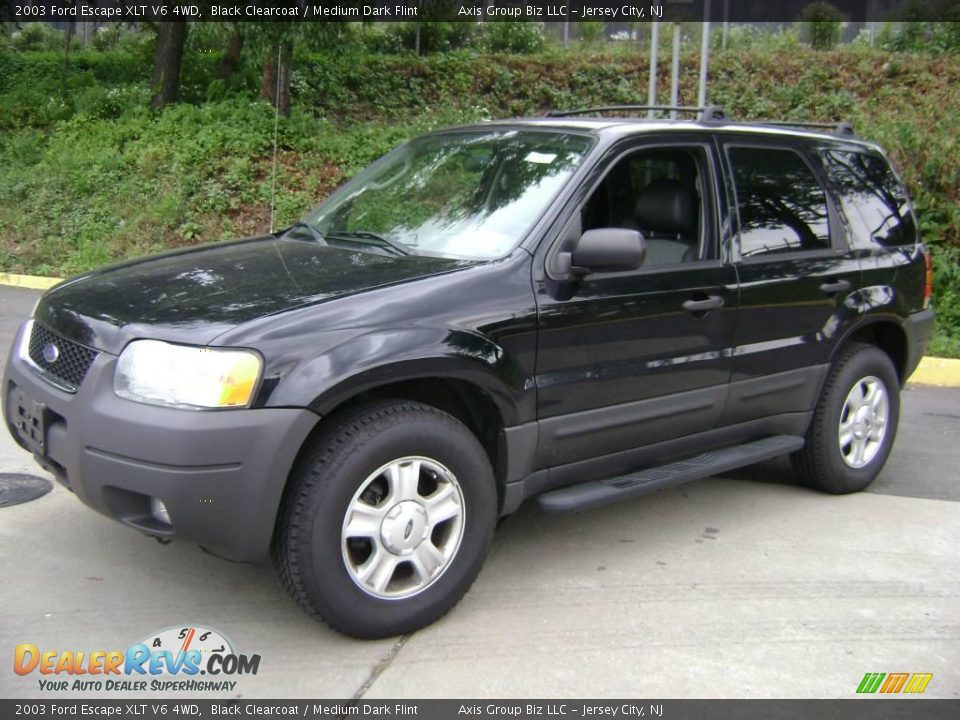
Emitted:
<point x="194" y="295"/>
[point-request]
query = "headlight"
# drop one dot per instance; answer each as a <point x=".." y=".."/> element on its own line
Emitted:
<point x="158" y="373"/>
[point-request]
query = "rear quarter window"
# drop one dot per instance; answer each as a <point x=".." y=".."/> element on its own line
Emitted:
<point x="874" y="202"/>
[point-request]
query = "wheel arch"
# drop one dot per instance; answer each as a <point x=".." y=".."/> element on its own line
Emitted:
<point x="884" y="333"/>
<point x="471" y="400"/>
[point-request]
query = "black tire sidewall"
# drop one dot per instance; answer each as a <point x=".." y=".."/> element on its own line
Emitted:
<point x="839" y="477"/>
<point x="340" y="600"/>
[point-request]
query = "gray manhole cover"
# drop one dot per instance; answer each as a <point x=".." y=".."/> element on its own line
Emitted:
<point x="16" y="488"/>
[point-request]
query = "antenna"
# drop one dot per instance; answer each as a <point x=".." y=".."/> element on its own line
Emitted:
<point x="276" y="130"/>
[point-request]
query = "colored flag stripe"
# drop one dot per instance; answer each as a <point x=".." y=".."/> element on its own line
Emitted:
<point x="870" y="682"/>
<point x="918" y="682"/>
<point x="894" y="682"/>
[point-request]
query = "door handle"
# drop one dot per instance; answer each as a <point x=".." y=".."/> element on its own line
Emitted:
<point x="711" y="302"/>
<point x="831" y="287"/>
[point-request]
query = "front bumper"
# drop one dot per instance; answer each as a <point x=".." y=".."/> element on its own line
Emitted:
<point x="220" y="474"/>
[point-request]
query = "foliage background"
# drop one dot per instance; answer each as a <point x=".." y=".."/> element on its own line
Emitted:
<point x="88" y="175"/>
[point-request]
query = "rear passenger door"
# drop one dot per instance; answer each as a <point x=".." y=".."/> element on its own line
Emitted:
<point x="795" y="271"/>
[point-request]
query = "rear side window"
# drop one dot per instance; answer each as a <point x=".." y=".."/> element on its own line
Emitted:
<point x="782" y="206"/>
<point x="874" y="200"/>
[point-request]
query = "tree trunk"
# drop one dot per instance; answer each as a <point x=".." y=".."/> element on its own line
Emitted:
<point x="67" y="39"/>
<point x="166" y="63"/>
<point x="274" y="78"/>
<point x="230" y="60"/>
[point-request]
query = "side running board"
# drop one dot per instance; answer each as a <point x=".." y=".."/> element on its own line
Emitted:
<point x="603" y="492"/>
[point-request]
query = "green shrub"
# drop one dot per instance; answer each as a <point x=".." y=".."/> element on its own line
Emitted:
<point x="590" y="32"/>
<point x="107" y="37"/>
<point x="946" y="298"/>
<point x="521" y="38"/>
<point x="37" y="36"/>
<point x="823" y="24"/>
<point x="434" y="37"/>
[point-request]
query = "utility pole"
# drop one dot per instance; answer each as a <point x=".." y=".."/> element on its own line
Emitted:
<point x="675" y="71"/>
<point x="726" y="23"/>
<point x="704" y="56"/>
<point x="652" y="90"/>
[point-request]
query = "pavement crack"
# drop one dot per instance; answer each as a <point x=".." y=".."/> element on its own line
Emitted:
<point x="380" y="667"/>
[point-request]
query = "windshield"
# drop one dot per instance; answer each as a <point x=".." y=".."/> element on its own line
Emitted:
<point x="471" y="194"/>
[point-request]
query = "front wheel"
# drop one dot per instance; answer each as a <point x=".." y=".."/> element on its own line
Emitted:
<point x="388" y="519"/>
<point x="854" y="423"/>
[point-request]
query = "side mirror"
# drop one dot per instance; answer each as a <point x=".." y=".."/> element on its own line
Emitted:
<point x="608" y="250"/>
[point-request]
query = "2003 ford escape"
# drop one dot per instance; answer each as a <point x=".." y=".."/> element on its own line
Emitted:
<point x="576" y="308"/>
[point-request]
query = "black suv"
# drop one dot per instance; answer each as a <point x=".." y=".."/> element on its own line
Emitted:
<point x="578" y="309"/>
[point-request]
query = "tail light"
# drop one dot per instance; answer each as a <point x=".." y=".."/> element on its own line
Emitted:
<point x="928" y="284"/>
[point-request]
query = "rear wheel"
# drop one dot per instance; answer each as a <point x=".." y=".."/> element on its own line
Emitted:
<point x="854" y="423"/>
<point x="388" y="519"/>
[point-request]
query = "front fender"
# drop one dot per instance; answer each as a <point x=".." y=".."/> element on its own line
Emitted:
<point x="384" y="356"/>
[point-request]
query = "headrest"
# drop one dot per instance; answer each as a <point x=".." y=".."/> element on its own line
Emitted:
<point x="665" y="206"/>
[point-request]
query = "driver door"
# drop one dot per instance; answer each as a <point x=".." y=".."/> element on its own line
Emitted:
<point x="627" y="359"/>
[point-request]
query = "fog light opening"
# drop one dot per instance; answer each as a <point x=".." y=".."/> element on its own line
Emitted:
<point x="159" y="511"/>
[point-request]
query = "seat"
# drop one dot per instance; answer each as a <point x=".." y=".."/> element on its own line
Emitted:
<point x="666" y="214"/>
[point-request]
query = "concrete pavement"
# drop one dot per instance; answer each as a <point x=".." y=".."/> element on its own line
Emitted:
<point x="738" y="587"/>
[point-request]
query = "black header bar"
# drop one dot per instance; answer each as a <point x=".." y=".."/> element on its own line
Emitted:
<point x="619" y="11"/>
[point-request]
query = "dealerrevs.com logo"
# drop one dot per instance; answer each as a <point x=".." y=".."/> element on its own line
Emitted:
<point x="168" y="660"/>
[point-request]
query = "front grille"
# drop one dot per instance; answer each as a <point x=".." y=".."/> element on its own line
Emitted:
<point x="71" y="361"/>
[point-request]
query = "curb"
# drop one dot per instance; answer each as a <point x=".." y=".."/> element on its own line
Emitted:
<point x="942" y="372"/>
<point x="33" y="282"/>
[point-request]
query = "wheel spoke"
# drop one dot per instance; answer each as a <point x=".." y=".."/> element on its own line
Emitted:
<point x="855" y="400"/>
<point x="404" y="477"/>
<point x="363" y="521"/>
<point x="442" y="505"/>
<point x="378" y="570"/>
<point x="859" y="449"/>
<point x="426" y="560"/>
<point x="846" y="432"/>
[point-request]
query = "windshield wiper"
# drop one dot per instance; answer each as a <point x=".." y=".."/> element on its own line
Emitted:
<point x="314" y="233"/>
<point x="369" y="238"/>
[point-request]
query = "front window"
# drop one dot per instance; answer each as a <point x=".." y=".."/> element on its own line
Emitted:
<point x="468" y="194"/>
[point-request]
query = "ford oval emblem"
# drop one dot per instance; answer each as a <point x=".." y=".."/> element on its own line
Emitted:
<point x="50" y="353"/>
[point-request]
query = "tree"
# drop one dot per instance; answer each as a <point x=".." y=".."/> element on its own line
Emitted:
<point x="275" y="40"/>
<point x="230" y="59"/>
<point x="166" y="63"/>
<point x="275" y="79"/>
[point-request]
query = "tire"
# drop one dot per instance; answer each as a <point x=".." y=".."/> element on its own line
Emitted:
<point x="387" y="520"/>
<point x="844" y="459"/>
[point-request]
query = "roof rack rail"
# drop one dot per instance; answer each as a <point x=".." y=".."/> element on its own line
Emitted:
<point x="710" y="112"/>
<point x="837" y="128"/>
